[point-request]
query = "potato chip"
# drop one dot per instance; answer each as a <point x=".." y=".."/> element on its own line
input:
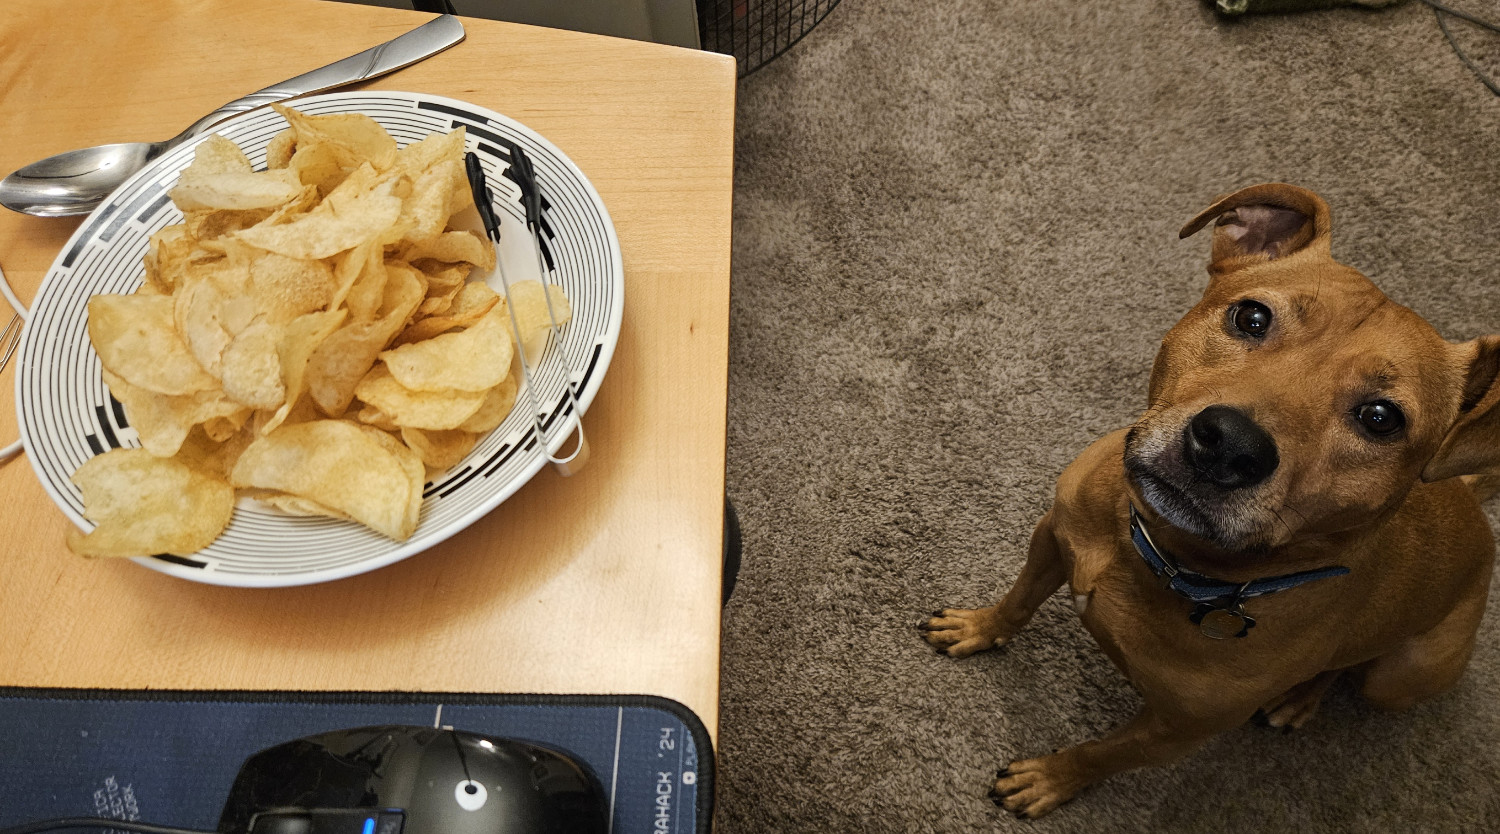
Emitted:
<point x="196" y="314"/>
<point x="303" y="410"/>
<point x="417" y="409"/>
<point x="344" y="358"/>
<point x="302" y="337"/>
<point x="305" y="201"/>
<point x="135" y="340"/>
<point x="533" y="322"/>
<point x="284" y="288"/>
<point x="404" y="289"/>
<point x="163" y="421"/>
<point x="411" y="465"/>
<point x="296" y="505"/>
<point x="337" y="365"/>
<point x="430" y="153"/>
<point x="172" y="255"/>
<point x="238" y="190"/>
<point x="367" y="292"/>
<point x="472" y="302"/>
<point x="453" y="247"/>
<point x="340" y="465"/>
<point x="329" y="230"/>
<point x="361" y="182"/>
<point x="217" y="155"/>
<point x="236" y="314"/>
<point x="426" y="211"/>
<point x="220" y="429"/>
<point x="427" y="152"/>
<point x="144" y="505"/>
<point x="439" y="300"/>
<point x="497" y="405"/>
<point x="251" y="366"/>
<point x="474" y="359"/>
<point x="215" y="452"/>
<point x="442" y="278"/>
<point x="439" y="450"/>
<point x="280" y="149"/>
<point x="372" y="416"/>
<point x="317" y="166"/>
<point x="349" y="268"/>
<point x="220" y="177"/>
<point x="355" y="137"/>
<point x="212" y="224"/>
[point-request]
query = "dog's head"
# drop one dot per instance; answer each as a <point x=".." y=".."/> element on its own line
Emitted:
<point x="1296" y="399"/>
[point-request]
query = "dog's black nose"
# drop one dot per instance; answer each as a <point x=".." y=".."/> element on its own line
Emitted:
<point x="1228" y="449"/>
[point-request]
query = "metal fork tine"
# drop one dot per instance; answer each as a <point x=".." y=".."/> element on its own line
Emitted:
<point x="10" y="339"/>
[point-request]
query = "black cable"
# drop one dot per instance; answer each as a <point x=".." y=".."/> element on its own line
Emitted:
<point x="98" y="822"/>
<point x="1438" y="10"/>
<point x="1464" y="15"/>
<point x="1462" y="56"/>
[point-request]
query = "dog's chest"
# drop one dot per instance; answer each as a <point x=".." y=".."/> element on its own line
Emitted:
<point x="1128" y="628"/>
<point x="1149" y="634"/>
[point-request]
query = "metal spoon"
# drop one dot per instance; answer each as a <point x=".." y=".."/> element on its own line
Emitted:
<point x="76" y="182"/>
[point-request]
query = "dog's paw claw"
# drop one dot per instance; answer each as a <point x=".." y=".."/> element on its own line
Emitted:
<point x="959" y="633"/>
<point x="1034" y="787"/>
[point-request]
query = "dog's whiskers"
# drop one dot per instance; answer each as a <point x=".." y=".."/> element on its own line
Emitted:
<point x="1283" y="521"/>
<point x="1299" y="513"/>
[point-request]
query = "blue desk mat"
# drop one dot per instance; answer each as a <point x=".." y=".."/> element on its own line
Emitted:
<point x="169" y="757"/>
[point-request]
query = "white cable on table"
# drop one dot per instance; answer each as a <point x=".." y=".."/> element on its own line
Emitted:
<point x="15" y="304"/>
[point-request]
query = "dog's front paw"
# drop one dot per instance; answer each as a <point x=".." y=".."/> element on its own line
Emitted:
<point x="1292" y="709"/>
<point x="959" y="632"/>
<point x="1033" y="787"/>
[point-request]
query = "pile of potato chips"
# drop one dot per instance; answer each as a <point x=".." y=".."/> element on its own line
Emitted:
<point x="308" y="335"/>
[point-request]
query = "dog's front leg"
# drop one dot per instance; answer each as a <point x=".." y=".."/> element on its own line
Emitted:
<point x="960" y="632"/>
<point x="1030" y="788"/>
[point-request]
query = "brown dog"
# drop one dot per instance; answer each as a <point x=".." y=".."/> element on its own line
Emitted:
<point x="1287" y="509"/>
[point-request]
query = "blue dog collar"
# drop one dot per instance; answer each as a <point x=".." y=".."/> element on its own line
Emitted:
<point x="1215" y="595"/>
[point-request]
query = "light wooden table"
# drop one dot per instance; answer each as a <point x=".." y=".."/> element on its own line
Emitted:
<point x="605" y="582"/>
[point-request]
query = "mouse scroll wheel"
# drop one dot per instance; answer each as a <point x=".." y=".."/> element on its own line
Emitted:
<point x="470" y="795"/>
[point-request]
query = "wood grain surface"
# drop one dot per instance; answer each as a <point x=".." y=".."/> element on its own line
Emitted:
<point x="605" y="582"/>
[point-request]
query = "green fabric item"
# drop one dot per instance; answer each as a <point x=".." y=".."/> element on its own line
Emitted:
<point x="1238" y="7"/>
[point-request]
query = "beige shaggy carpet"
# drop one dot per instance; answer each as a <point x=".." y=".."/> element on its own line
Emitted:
<point x="955" y="252"/>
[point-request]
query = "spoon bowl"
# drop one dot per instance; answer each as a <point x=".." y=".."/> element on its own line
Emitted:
<point x="76" y="182"/>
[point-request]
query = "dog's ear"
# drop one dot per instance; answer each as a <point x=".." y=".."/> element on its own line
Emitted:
<point x="1472" y="445"/>
<point x="1263" y="222"/>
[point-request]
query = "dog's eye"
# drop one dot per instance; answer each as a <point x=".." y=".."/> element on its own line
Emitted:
<point x="1251" y="318"/>
<point x="1381" y="418"/>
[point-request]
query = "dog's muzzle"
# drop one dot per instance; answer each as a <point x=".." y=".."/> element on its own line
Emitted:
<point x="1228" y="449"/>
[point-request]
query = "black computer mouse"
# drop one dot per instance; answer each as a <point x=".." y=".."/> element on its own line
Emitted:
<point x="413" y="780"/>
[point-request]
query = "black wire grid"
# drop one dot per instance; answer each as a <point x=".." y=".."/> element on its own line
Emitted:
<point x="756" y="31"/>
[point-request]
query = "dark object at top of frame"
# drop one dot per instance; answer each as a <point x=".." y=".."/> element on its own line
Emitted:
<point x="756" y="31"/>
